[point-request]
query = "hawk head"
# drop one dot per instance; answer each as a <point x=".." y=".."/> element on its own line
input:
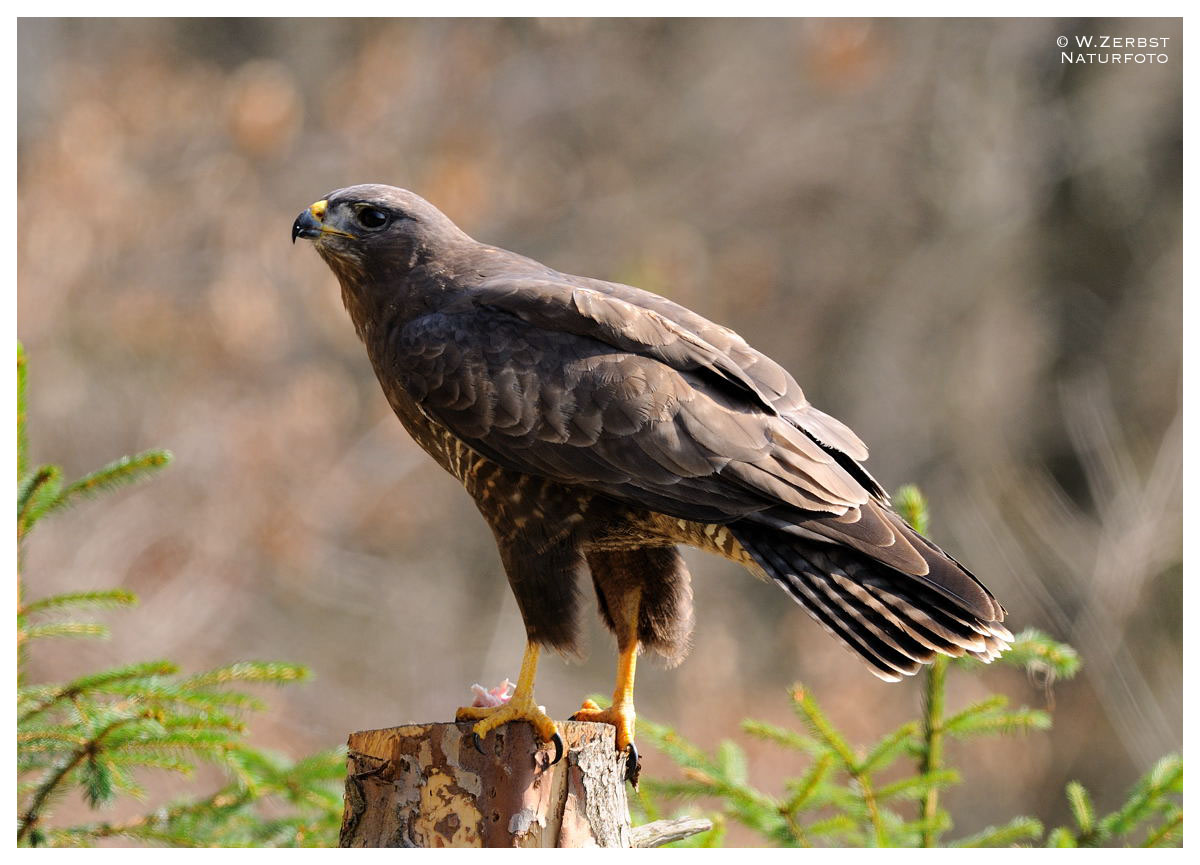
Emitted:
<point x="373" y="233"/>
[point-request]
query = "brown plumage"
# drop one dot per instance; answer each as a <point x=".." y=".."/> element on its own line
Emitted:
<point x="597" y="426"/>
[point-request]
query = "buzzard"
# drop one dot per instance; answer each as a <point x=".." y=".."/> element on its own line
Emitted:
<point x="598" y="426"/>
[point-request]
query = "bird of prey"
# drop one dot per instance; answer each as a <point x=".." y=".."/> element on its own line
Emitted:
<point x="598" y="426"/>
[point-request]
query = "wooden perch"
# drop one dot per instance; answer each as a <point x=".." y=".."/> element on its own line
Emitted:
<point x="425" y="785"/>
<point x="662" y="832"/>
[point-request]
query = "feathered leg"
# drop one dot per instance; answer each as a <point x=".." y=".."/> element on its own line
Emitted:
<point x="543" y="576"/>
<point x="646" y="600"/>
<point x="621" y="713"/>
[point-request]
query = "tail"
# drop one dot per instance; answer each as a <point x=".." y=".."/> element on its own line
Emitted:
<point x="895" y="621"/>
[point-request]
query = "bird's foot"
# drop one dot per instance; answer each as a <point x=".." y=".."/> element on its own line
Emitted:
<point x="621" y="716"/>
<point x="519" y="708"/>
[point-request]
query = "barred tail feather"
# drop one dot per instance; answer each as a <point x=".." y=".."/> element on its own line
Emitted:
<point x="892" y="620"/>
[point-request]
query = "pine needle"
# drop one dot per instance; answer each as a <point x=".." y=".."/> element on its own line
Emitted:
<point x="1015" y="830"/>
<point x="119" y="473"/>
<point x="1081" y="807"/>
<point x="101" y="598"/>
<point x="22" y="401"/>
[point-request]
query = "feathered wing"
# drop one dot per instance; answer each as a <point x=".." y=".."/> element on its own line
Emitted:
<point x="649" y="324"/>
<point x="581" y="411"/>
<point x="769" y="378"/>
<point x="556" y="305"/>
<point x="626" y="393"/>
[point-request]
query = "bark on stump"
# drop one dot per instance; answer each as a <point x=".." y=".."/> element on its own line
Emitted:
<point x="425" y="785"/>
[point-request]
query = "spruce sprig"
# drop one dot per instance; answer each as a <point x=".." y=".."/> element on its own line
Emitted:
<point x="837" y="797"/>
<point x="97" y="734"/>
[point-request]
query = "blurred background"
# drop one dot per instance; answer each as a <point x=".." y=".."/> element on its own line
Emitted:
<point x="962" y="247"/>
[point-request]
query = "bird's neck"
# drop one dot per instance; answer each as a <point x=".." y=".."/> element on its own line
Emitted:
<point x="385" y="303"/>
<point x="420" y="282"/>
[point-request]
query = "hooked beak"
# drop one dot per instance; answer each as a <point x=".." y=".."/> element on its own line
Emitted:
<point x="305" y="226"/>
<point x="310" y="224"/>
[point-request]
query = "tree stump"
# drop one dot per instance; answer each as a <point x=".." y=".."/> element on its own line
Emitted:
<point x="425" y="785"/>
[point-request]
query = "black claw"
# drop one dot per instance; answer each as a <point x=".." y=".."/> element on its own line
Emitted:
<point x="633" y="764"/>
<point x="558" y="748"/>
<point x="479" y="744"/>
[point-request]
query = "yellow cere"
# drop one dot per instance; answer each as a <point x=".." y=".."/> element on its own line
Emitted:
<point x="318" y="210"/>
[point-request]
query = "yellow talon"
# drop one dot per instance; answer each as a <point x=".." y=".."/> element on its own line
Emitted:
<point x="620" y="714"/>
<point x="514" y="710"/>
<point x="521" y="707"/>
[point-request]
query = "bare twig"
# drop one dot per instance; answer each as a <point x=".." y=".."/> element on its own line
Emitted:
<point x="662" y="832"/>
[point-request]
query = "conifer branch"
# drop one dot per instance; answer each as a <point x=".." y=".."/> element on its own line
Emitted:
<point x="103" y="598"/>
<point x="919" y="787"/>
<point x="93" y="734"/>
<point x="890" y="747"/>
<point x="84" y="684"/>
<point x="1082" y="810"/>
<point x="88" y="749"/>
<point x="1170" y="832"/>
<point x="22" y="400"/>
<point x="1036" y="652"/>
<point x="808" y="785"/>
<point x="826" y="732"/>
<point x="119" y="473"/>
<point x="910" y="503"/>
<point x="62" y="629"/>
<point x="1017" y="829"/>
<point x="932" y="734"/>
<point x="811" y="713"/>
<point x="787" y="738"/>
<point x="34" y="495"/>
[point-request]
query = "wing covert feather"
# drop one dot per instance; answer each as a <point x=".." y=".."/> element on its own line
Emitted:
<point x="578" y="410"/>
<point x="557" y="305"/>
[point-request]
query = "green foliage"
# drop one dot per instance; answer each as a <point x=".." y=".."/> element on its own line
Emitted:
<point x="1152" y="815"/>
<point x="910" y="503"/>
<point x="94" y="737"/>
<point x="839" y="799"/>
<point x="1039" y="654"/>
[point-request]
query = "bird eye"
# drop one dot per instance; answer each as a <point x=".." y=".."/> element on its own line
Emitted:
<point x="372" y="217"/>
